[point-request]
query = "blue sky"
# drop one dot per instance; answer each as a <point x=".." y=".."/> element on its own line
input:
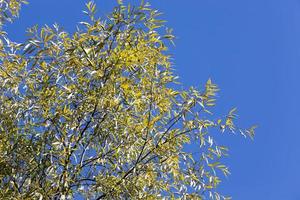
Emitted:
<point x="251" y="49"/>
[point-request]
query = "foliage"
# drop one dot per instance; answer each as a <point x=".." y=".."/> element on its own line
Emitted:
<point x="96" y="114"/>
<point x="9" y="9"/>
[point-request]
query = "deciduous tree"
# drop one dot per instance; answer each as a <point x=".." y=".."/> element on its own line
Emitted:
<point x="97" y="113"/>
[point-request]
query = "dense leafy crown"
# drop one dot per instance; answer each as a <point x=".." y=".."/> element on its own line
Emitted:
<point x="95" y="114"/>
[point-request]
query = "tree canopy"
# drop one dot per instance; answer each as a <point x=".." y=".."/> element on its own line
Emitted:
<point x="96" y="114"/>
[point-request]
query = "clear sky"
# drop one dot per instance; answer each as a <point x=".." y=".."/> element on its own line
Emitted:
<point x="251" y="49"/>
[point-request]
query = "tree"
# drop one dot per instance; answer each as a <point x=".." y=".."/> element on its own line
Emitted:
<point x="96" y="114"/>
